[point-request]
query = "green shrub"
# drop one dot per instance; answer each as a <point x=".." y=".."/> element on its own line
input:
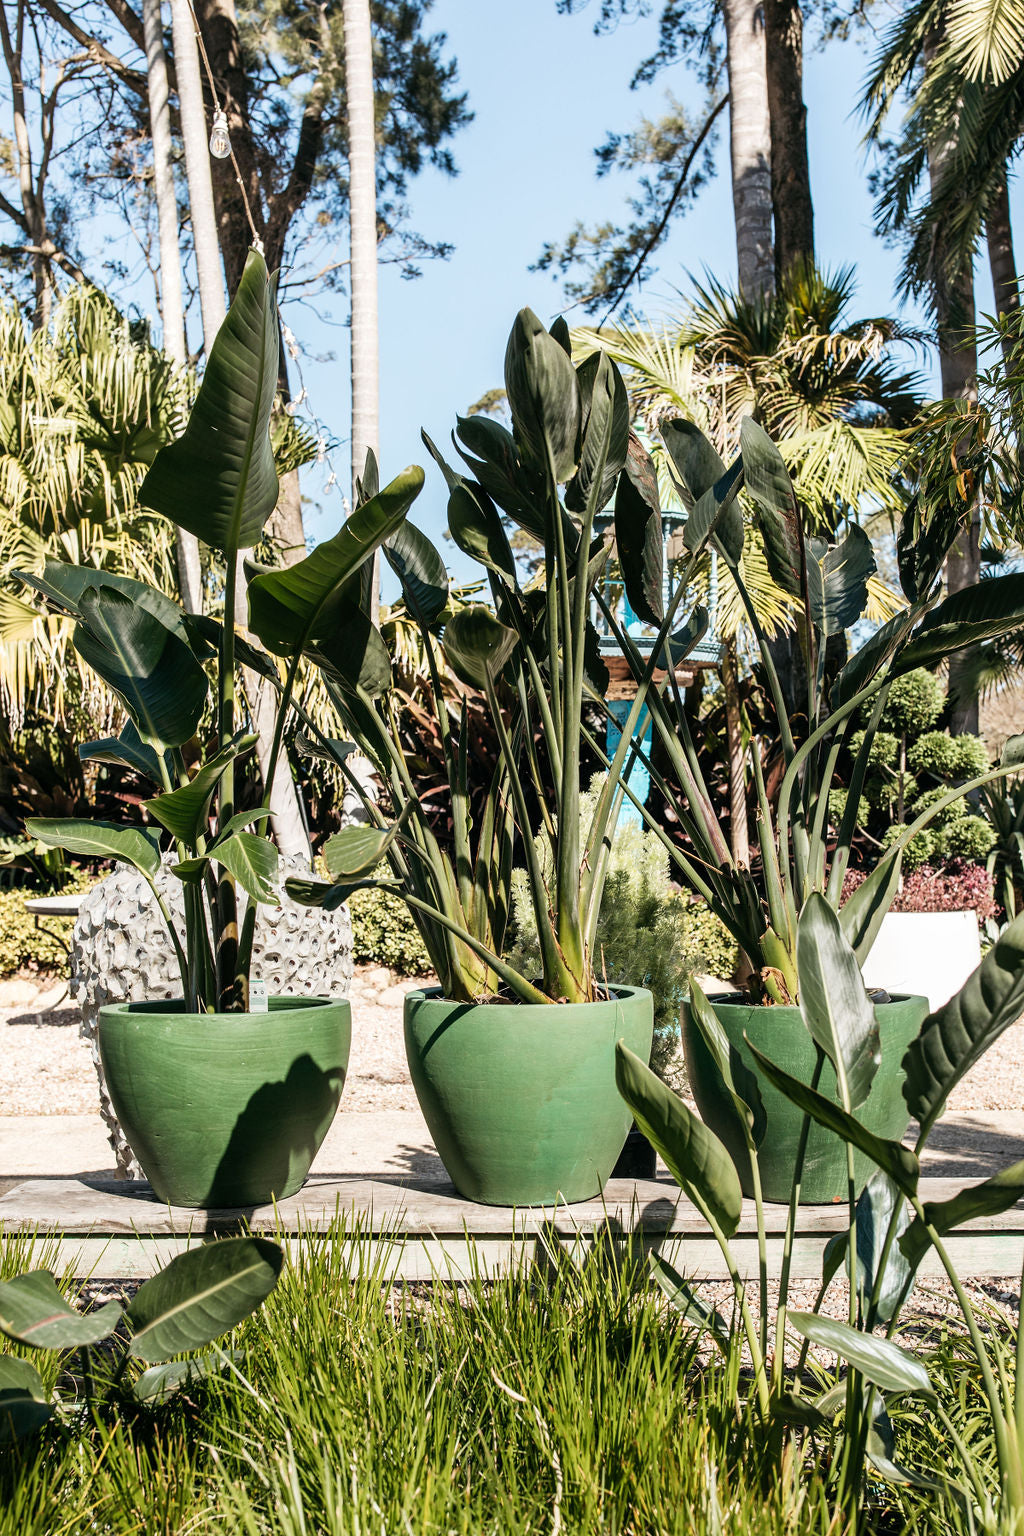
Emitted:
<point x="937" y="754"/>
<point x="968" y="838"/>
<point x="914" y="703"/>
<point x="383" y="933"/>
<point x="22" y="943"/>
<point x="917" y="852"/>
<point x="971" y="757"/>
<point x="884" y="752"/>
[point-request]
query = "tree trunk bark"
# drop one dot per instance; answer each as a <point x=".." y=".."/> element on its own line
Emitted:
<point x="750" y="145"/>
<point x="32" y="201"/>
<point x="362" y="158"/>
<point x="739" y="832"/>
<point x="219" y="23"/>
<point x="195" y="133"/>
<point x="172" y="307"/>
<point x="1001" y="260"/>
<point x="791" y="177"/>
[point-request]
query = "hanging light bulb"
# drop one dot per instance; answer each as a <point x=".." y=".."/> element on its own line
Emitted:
<point x="220" y="143"/>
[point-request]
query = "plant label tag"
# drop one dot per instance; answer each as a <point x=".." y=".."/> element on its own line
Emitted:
<point x="259" y="1000"/>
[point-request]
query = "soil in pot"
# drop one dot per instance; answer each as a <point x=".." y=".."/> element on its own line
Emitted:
<point x="780" y="1034"/>
<point x="228" y="1109"/>
<point x="520" y="1099"/>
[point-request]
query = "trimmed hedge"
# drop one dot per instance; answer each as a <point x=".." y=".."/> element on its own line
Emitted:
<point x="383" y="933"/>
<point x="22" y="943"/>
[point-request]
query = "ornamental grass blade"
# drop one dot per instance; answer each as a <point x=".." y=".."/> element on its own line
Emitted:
<point x="694" y="1156"/>
<point x="137" y="846"/>
<point x="898" y="1161"/>
<point x="218" y="480"/>
<point x="33" y="1312"/>
<point x="835" y="1006"/>
<point x="957" y="1035"/>
<point x="184" y="812"/>
<point x="292" y="608"/>
<point x="995" y="1195"/>
<point x="201" y="1295"/>
<point x="879" y="1361"/>
<point x="150" y="667"/>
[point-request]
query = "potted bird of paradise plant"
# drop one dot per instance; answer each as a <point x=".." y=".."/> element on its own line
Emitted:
<point x="222" y="1106"/>
<point x="514" y="1072"/>
<point x="801" y="852"/>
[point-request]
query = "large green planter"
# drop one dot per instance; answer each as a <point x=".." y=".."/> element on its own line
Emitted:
<point x="781" y="1035"/>
<point x="520" y="1098"/>
<point x="225" y="1109"/>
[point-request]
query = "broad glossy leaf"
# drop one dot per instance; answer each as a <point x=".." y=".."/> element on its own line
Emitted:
<point x="737" y="1079"/>
<point x="543" y="397"/>
<point x="332" y="750"/>
<point x="1013" y="752"/>
<point x="150" y="668"/>
<point x="694" y="1156"/>
<point x="898" y="1161"/>
<point x="957" y="1035"/>
<point x="63" y="584"/>
<point x="127" y="750"/>
<point x="922" y="545"/>
<point x="717" y="515"/>
<point x="138" y="846"/>
<point x="421" y="571"/>
<point x="981" y="612"/>
<point x="23" y="1404"/>
<point x="476" y="527"/>
<point x="873" y="656"/>
<point x="185" y="812"/>
<point x="788" y="1408"/>
<point x="322" y="893"/>
<point x="357" y="850"/>
<point x="696" y="461"/>
<point x="604" y="432"/>
<point x="208" y="632"/>
<point x="477" y="645"/>
<point x="833" y="1001"/>
<point x="18" y="1375"/>
<point x="354" y="654"/>
<point x="879" y="1361"/>
<point x="686" y="1300"/>
<point x="161" y="1382"/>
<point x="837" y="580"/>
<point x="862" y="913"/>
<point x="368" y="483"/>
<point x="878" y="1201"/>
<point x="997" y="1194"/>
<point x="191" y="871"/>
<point x="517" y="488"/>
<point x="639" y="538"/>
<point x="767" y="479"/>
<point x="683" y="640"/>
<point x="201" y="1295"/>
<point x="218" y="479"/>
<point x="254" y="863"/>
<point x="292" y="608"/>
<point x="33" y="1312"/>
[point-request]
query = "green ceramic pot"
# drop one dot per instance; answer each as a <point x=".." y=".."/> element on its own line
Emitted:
<point x="780" y="1034"/>
<point x="225" y="1109"/>
<point x="520" y="1098"/>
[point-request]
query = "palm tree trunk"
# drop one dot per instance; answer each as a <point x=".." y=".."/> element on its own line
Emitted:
<point x="172" y="308"/>
<point x="750" y="145"/>
<point x="1001" y="260"/>
<point x="362" y="159"/>
<point x="219" y="22"/>
<point x="195" y="134"/>
<point x="791" y="177"/>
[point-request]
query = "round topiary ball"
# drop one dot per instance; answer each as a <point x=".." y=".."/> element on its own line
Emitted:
<point x="917" y="852"/>
<point x="968" y="838"/>
<point x="914" y="704"/>
<point x="971" y="756"/>
<point x="950" y="813"/>
<point x="935" y="753"/>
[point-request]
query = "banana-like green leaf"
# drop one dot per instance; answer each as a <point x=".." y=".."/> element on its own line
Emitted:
<point x="879" y="1201"/>
<point x="331" y="750"/>
<point x="218" y="480"/>
<point x="161" y="1382"/>
<point x="997" y="1194"/>
<point x="679" y="644"/>
<point x="23" y="1404"/>
<point x="1012" y="753"/>
<point x="898" y="1161"/>
<point x="639" y="540"/>
<point x="737" y="1079"/>
<point x="923" y="543"/>
<point x="33" y="1312"/>
<point x="696" y="462"/>
<point x="837" y="580"/>
<point x="127" y="750"/>
<point x="543" y="397"/>
<point x="201" y="1295"/>
<point x="873" y="655"/>
<point x="717" y="515"/>
<point x="477" y="645"/>
<point x="138" y="846"/>
<point x="354" y="654"/>
<point x="292" y="608"/>
<point x="694" y="1156"/>
<point x="321" y="893"/>
<point x="475" y="525"/>
<point x="206" y="634"/>
<point x="862" y="913"/>
<point x="150" y="668"/>
<point x="517" y="487"/>
<point x="981" y="612"/>
<point x="421" y="571"/>
<point x="834" y="1004"/>
<point x="879" y="1361"/>
<point x="604" y="434"/>
<point x="767" y="480"/>
<point x="63" y="584"/>
<point x="185" y="812"/>
<point x="684" y="1298"/>
<point x="957" y="1035"/>
<point x="254" y="863"/>
<point x="356" y="850"/>
<point x="191" y="871"/>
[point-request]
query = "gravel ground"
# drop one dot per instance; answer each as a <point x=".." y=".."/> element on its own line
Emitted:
<point x="45" y="1066"/>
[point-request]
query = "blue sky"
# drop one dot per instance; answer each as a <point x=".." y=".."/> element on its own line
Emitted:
<point x="545" y="90"/>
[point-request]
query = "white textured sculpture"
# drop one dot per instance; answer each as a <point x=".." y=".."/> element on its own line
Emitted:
<point x="121" y="952"/>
